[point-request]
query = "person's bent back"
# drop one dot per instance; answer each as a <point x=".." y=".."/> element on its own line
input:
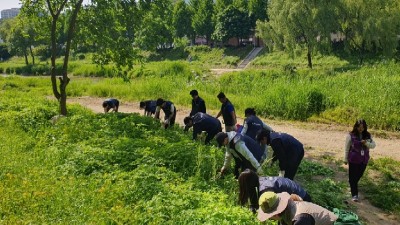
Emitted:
<point x="111" y="103"/>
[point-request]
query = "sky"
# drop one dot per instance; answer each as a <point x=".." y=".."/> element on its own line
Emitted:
<point x="8" y="4"/>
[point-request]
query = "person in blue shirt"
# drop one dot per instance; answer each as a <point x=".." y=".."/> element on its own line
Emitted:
<point x="228" y="112"/>
<point x="169" y="112"/>
<point x="149" y="107"/>
<point x="203" y="122"/>
<point x="251" y="186"/>
<point x="111" y="103"/>
<point x="198" y="104"/>
<point x="252" y="124"/>
<point x="287" y="150"/>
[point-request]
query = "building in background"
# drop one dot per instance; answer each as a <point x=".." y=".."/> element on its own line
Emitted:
<point x="9" y="13"/>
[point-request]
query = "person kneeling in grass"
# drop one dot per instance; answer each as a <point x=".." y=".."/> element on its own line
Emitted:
<point x="111" y="103"/>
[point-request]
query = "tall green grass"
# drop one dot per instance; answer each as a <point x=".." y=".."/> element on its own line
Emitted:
<point x="334" y="91"/>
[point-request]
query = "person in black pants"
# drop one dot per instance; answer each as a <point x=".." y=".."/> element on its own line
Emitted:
<point x="203" y="122"/>
<point x="287" y="150"/>
<point x="357" y="146"/>
<point x="228" y="112"/>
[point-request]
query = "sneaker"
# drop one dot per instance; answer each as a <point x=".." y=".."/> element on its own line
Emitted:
<point x="355" y="198"/>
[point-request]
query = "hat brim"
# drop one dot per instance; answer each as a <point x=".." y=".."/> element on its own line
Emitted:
<point x="283" y="202"/>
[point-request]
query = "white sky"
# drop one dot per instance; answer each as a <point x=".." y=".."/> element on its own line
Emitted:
<point x="8" y="4"/>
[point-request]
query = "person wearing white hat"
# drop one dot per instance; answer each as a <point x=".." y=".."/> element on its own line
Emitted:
<point x="293" y="211"/>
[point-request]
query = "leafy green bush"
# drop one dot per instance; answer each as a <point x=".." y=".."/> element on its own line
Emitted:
<point x="382" y="184"/>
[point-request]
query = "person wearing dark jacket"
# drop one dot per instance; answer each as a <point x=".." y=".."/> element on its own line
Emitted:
<point x="358" y="143"/>
<point x="251" y="186"/>
<point x="169" y="111"/>
<point x="203" y="122"/>
<point x="149" y="107"/>
<point x="228" y="112"/>
<point x="246" y="152"/>
<point x="111" y="103"/>
<point x="252" y="124"/>
<point x="198" y="104"/>
<point x="287" y="150"/>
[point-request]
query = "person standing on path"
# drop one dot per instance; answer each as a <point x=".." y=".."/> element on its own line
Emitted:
<point x="110" y="103"/>
<point x="203" y="122"/>
<point x="169" y="112"/>
<point x="287" y="150"/>
<point x="228" y="113"/>
<point x="198" y="104"/>
<point x="356" y="154"/>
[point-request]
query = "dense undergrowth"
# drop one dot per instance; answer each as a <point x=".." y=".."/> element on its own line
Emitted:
<point x="117" y="168"/>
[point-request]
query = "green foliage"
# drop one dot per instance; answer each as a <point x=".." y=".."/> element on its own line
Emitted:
<point x="370" y="28"/>
<point x="298" y="23"/>
<point x="381" y="184"/>
<point x="182" y="20"/>
<point x="327" y="192"/>
<point x="309" y="168"/>
<point x="202" y="18"/>
<point x="232" y="22"/>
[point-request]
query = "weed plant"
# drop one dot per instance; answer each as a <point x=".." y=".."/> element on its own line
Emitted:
<point x="381" y="184"/>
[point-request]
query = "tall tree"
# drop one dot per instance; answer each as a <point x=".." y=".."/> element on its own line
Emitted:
<point x="371" y="25"/>
<point x="202" y="18"/>
<point x="109" y="28"/>
<point x="258" y="9"/>
<point x="54" y="9"/>
<point x="155" y="29"/>
<point x="233" y="22"/>
<point x="182" y="20"/>
<point x="19" y="34"/>
<point x="292" y="23"/>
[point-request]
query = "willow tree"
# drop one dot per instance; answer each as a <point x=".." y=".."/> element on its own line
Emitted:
<point x="294" y="23"/>
<point x="54" y="9"/>
<point x="371" y="26"/>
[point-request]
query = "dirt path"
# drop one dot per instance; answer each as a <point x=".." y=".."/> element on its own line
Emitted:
<point x="319" y="140"/>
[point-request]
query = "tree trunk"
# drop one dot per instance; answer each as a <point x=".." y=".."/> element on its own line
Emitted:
<point x="63" y="96"/>
<point x="309" y="57"/>
<point x="309" y="60"/>
<point x="26" y="58"/>
<point x="53" y="59"/>
<point x="33" y="57"/>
